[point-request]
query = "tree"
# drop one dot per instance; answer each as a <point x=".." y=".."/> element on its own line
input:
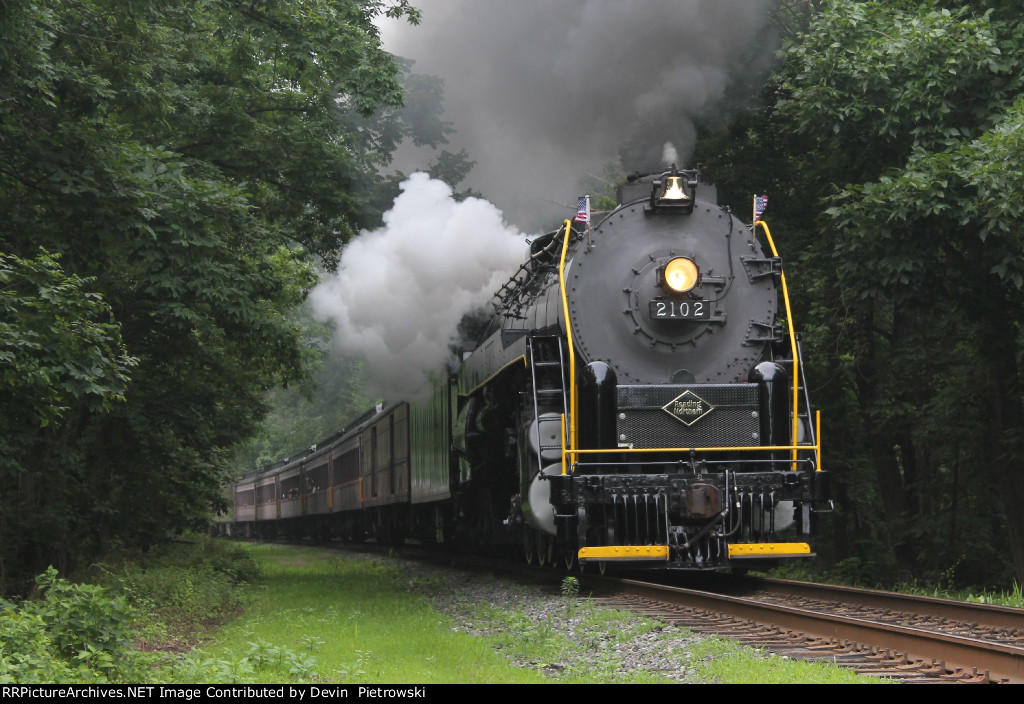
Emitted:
<point x="305" y="413"/>
<point x="178" y="164"/>
<point x="966" y="288"/>
<point x="57" y="345"/>
<point x="893" y="127"/>
<point x="908" y="227"/>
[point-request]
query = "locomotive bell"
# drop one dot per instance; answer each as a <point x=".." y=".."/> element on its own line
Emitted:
<point x="674" y="190"/>
<point x="673" y="193"/>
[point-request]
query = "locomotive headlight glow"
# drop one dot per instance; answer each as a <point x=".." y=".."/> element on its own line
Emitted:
<point x="681" y="274"/>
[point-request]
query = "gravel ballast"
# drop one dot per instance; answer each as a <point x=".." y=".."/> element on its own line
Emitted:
<point x="619" y="645"/>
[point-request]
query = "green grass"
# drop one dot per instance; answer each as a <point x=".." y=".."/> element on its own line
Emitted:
<point x="724" y="662"/>
<point x="1012" y="597"/>
<point x="942" y="589"/>
<point x="284" y="614"/>
<point x="321" y="617"/>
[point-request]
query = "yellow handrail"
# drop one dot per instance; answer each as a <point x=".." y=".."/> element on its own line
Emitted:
<point x="792" y="336"/>
<point x="738" y="448"/>
<point x="572" y="451"/>
<point x="571" y="350"/>
<point x="563" y="443"/>
<point x="817" y="440"/>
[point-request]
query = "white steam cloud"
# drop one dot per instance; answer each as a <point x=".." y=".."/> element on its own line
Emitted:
<point x="669" y="155"/>
<point x="400" y="291"/>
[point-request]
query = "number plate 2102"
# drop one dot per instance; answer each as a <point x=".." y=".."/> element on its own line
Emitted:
<point x="680" y="310"/>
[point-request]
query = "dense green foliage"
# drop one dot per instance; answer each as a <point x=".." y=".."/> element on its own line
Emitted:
<point x="169" y="172"/>
<point x="166" y="171"/>
<point x="190" y="582"/>
<point x="890" y="141"/>
<point x="72" y="633"/>
<point x="305" y="413"/>
<point x="118" y="632"/>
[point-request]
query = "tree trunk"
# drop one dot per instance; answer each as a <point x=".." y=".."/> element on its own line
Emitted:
<point x="883" y="438"/>
<point x="999" y="349"/>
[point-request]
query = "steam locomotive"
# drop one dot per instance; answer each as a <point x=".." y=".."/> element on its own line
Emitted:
<point x="635" y="398"/>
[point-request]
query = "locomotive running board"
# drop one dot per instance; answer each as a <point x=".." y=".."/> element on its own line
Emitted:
<point x="623" y="552"/>
<point x="739" y="551"/>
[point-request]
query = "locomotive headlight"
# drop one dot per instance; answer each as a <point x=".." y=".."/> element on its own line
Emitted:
<point x="681" y="274"/>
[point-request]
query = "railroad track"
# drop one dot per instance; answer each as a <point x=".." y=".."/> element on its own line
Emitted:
<point x="913" y="639"/>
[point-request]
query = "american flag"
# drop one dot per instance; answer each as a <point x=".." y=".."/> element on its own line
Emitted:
<point x="760" y="203"/>
<point x="583" y="209"/>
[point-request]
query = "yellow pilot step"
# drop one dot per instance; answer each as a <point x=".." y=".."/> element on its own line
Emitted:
<point x="624" y="552"/>
<point x="742" y="550"/>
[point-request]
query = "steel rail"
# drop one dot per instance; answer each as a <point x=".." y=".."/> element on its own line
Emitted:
<point x="1003" y="662"/>
<point x="989" y="615"/>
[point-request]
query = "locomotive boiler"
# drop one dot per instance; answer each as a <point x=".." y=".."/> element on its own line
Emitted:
<point x="634" y="396"/>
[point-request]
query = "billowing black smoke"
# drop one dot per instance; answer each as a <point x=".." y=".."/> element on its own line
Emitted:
<point x="543" y="91"/>
<point x="540" y="92"/>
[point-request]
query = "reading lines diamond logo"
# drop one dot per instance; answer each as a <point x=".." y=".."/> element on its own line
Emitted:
<point x="688" y="408"/>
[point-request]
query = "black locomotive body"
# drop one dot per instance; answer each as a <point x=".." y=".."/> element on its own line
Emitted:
<point x="634" y="400"/>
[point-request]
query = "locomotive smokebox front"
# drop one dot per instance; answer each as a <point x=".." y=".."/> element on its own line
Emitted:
<point x="672" y="295"/>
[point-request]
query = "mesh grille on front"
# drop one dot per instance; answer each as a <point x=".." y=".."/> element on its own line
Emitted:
<point x="731" y="422"/>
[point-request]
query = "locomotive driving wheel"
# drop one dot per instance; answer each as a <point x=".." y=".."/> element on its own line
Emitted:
<point x="569" y="558"/>
<point x="529" y="546"/>
<point x="545" y="548"/>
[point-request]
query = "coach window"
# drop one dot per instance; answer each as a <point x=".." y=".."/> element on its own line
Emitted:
<point x="373" y="461"/>
<point x="391" y="453"/>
